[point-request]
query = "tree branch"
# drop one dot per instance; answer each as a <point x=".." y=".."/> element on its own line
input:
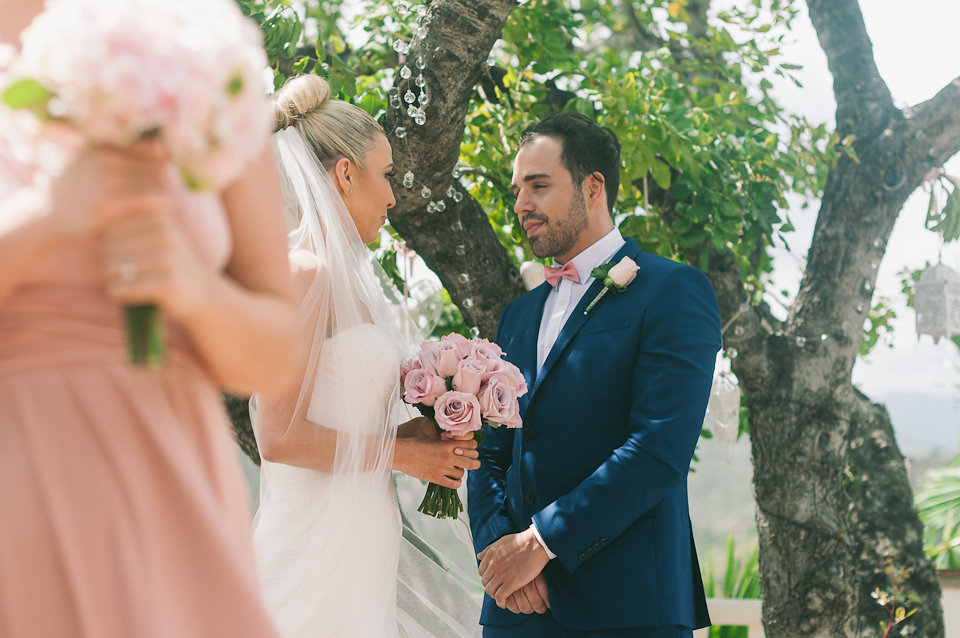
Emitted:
<point x="746" y="329"/>
<point x="937" y="122"/>
<point x="457" y="240"/>
<point x="864" y="103"/>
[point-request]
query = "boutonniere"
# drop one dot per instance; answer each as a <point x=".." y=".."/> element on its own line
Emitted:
<point x="615" y="276"/>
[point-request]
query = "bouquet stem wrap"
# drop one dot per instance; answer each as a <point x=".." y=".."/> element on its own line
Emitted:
<point x="440" y="501"/>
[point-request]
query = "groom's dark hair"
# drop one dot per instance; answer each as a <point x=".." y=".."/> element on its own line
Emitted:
<point x="586" y="147"/>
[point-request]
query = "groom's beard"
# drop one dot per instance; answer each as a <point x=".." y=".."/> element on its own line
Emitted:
<point x="560" y="235"/>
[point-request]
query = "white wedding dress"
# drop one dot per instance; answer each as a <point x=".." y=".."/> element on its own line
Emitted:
<point x="336" y="557"/>
<point x="327" y="572"/>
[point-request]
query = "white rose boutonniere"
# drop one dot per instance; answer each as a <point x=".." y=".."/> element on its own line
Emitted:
<point x="616" y="276"/>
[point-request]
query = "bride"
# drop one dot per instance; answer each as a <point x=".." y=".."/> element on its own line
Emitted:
<point x="328" y="533"/>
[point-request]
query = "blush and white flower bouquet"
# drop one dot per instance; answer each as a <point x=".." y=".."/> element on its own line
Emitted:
<point x="111" y="72"/>
<point x="461" y="384"/>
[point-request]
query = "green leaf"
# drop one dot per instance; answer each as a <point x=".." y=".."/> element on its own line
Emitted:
<point x="661" y="174"/>
<point x="27" y="94"/>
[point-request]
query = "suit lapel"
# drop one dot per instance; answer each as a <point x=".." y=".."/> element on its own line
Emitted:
<point x="575" y="322"/>
<point x="527" y="353"/>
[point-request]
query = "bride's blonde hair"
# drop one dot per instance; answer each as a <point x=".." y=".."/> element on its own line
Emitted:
<point x="332" y="128"/>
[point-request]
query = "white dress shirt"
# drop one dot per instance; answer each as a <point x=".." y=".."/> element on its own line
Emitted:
<point x="560" y="304"/>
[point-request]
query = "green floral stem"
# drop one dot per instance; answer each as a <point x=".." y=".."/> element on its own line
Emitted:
<point x="596" y="300"/>
<point x="146" y="341"/>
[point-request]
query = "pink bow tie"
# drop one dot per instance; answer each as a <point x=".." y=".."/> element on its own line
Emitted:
<point x="554" y="275"/>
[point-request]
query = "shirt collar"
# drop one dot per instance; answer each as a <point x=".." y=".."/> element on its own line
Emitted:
<point x="597" y="253"/>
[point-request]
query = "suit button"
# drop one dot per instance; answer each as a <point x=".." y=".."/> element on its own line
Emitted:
<point x="529" y="435"/>
<point x="530" y="498"/>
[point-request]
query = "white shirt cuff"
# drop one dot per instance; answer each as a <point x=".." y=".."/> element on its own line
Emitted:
<point x="536" y="533"/>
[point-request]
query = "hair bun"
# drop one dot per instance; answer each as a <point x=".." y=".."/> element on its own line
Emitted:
<point x="299" y="96"/>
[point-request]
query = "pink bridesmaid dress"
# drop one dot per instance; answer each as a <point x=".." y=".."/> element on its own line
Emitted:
<point x="123" y="509"/>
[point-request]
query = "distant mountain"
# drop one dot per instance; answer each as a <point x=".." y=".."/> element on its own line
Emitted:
<point x="924" y="423"/>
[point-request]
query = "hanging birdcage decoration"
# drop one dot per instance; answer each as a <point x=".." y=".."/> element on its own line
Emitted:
<point x="937" y="302"/>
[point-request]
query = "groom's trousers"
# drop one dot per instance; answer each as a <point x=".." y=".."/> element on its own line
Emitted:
<point x="545" y="626"/>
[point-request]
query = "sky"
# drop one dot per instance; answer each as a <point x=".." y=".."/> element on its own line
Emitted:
<point x="916" y="55"/>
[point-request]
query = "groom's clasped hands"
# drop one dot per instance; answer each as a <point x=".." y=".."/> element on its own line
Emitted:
<point x="511" y="571"/>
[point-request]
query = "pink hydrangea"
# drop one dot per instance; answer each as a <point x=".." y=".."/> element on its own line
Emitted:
<point x="186" y="72"/>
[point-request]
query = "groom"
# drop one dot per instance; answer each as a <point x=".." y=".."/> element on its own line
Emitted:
<point x="580" y="518"/>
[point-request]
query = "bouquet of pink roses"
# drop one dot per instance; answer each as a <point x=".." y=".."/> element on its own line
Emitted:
<point x="113" y="71"/>
<point x="461" y="384"/>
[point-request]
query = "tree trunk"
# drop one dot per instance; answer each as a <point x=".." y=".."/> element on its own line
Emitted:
<point x="834" y="506"/>
<point x="457" y="243"/>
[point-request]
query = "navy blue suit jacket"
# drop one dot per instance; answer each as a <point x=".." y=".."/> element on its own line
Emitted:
<point x="609" y="429"/>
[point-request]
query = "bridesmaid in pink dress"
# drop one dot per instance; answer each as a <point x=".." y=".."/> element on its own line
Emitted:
<point x="123" y="510"/>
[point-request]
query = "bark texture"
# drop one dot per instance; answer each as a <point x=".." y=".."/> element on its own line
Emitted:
<point x="835" y="510"/>
<point x="481" y="280"/>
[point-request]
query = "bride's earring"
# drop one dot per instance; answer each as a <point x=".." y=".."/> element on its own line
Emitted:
<point x="350" y="192"/>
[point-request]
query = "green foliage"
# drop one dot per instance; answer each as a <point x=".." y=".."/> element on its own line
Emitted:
<point x="944" y="219"/>
<point x="938" y="504"/>
<point x="740" y="579"/>
<point x="878" y="324"/>
<point x="709" y="156"/>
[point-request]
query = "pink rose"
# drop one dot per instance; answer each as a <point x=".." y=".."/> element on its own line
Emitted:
<point x="421" y="385"/>
<point x="407" y="366"/>
<point x="516" y="377"/>
<point x="458" y="413"/>
<point x="469" y="375"/>
<point x="490" y="354"/>
<point x="498" y="401"/>
<point x="429" y="353"/>
<point x="447" y="359"/>
<point x="464" y="345"/>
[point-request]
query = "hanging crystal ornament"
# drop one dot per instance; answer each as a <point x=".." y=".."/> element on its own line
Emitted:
<point x="425" y="192"/>
<point x="408" y="179"/>
<point x="401" y="47"/>
<point x="475" y="330"/>
<point x="937" y="302"/>
<point x="457" y="196"/>
<point x="395" y="100"/>
<point x="400" y="132"/>
<point x="441" y="206"/>
<point x="423" y="99"/>
<point x="455" y="173"/>
<point x="409" y="97"/>
<point x="420" y="63"/>
<point x="420" y="80"/>
<point x="723" y="407"/>
<point x="405" y="72"/>
<point x="468" y="303"/>
<point x="461" y="250"/>
<point x="431" y="207"/>
<point x="420" y="118"/>
<point x="402" y="8"/>
<point x="451" y="191"/>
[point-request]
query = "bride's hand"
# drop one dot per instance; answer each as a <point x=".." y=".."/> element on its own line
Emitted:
<point x="423" y="455"/>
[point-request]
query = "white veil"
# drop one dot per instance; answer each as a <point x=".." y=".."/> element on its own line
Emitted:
<point x="328" y="533"/>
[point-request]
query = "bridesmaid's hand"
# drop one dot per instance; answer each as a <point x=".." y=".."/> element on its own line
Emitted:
<point x="148" y="259"/>
<point x="101" y="185"/>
